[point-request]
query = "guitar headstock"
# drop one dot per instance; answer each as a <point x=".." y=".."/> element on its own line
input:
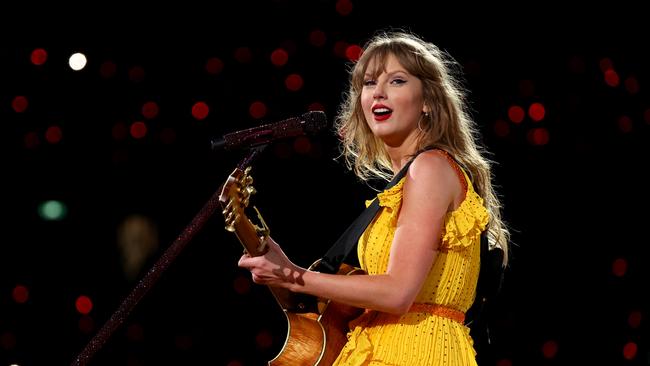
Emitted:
<point x="234" y="198"/>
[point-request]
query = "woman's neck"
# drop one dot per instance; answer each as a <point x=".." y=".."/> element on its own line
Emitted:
<point x="401" y="154"/>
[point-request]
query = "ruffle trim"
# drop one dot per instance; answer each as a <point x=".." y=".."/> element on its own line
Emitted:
<point x="358" y="350"/>
<point x="462" y="226"/>
<point x="466" y="223"/>
<point x="391" y="199"/>
<point x="392" y="196"/>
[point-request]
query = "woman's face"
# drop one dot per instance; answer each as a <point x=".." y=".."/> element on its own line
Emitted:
<point x="392" y="102"/>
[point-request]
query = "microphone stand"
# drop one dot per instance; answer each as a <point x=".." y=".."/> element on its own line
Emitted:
<point x="156" y="271"/>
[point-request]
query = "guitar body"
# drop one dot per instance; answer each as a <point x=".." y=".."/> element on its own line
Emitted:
<point x="317" y="328"/>
<point x="316" y="338"/>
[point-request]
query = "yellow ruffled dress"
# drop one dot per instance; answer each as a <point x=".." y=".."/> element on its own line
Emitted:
<point x="433" y="331"/>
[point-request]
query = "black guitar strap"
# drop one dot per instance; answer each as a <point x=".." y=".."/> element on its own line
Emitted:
<point x="345" y="246"/>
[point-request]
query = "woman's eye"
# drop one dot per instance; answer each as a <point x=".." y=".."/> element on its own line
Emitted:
<point x="369" y="82"/>
<point x="398" y="81"/>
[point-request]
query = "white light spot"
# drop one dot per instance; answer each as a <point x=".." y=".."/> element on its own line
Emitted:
<point x="77" y="61"/>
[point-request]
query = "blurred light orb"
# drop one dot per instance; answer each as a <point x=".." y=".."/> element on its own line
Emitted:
<point x="77" y="61"/>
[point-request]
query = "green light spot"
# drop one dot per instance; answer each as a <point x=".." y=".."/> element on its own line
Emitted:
<point x="52" y="210"/>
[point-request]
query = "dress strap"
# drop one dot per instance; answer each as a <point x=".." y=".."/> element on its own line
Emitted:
<point x="462" y="177"/>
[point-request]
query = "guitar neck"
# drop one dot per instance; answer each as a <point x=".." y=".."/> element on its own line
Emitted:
<point x="248" y="236"/>
<point x="234" y="198"/>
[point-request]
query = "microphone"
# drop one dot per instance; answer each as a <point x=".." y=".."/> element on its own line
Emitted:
<point x="307" y="123"/>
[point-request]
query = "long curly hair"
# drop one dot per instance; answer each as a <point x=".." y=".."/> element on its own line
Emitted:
<point x="448" y="126"/>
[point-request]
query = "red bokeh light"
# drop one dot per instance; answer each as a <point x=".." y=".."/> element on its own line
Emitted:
<point x="344" y="7"/>
<point x="138" y="130"/>
<point x="629" y="350"/>
<point x="136" y="74"/>
<point x="634" y="319"/>
<point x="200" y="110"/>
<point x="83" y="304"/>
<point x="549" y="349"/>
<point x="619" y="267"/>
<point x="150" y="110"/>
<point x="38" y="56"/>
<point x="317" y="38"/>
<point x="279" y="57"/>
<point x="606" y="64"/>
<point x="53" y="134"/>
<point x="538" y="136"/>
<point x="353" y="52"/>
<point x="632" y="85"/>
<point x="108" y="69"/>
<point x="501" y="128"/>
<point x="214" y="65"/>
<point x="536" y="111"/>
<point x="611" y="78"/>
<point x="625" y="124"/>
<point x="294" y="82"/>
<point x="19" y="104"/>
<point x="243" y="55"/>
<point x="20" y="294"/>
<point x="516" y="114"/>
<point x="257" y="110"/>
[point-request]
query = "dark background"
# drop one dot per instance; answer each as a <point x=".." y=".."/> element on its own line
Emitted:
<point x="576" y="205"/>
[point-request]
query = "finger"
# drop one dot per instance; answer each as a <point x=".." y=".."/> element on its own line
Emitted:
<point x="257" y="279"/>
<point x="244" y="261"/>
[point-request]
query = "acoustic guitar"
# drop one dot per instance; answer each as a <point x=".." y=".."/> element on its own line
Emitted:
<point x="317" y="327"/>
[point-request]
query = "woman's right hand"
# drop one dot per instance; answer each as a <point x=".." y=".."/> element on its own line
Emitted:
<point x="273" y="268"/>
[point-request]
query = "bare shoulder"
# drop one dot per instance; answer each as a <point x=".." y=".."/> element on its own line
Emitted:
<point x="431" y="189"/>
<point x="432" y="175"/>
<point x="432" y="166"/>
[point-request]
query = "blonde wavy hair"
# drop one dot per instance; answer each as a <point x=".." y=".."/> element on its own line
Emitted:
<point x="448" y="126"/>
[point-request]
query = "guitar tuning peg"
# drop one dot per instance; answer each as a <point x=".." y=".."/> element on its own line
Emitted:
<point x="229" y="216"/>
<point x="247" y="181"/>
<point x="228" y="206"/>
<point x="251" y="190"/>
<point x="230" y="222"/>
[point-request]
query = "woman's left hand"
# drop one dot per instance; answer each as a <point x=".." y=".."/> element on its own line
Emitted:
<point x="272" y="268"/>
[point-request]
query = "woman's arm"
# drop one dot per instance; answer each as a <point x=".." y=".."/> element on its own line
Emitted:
<point x="429" y="191"/>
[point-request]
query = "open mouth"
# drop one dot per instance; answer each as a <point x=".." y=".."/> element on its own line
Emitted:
<point x="381" y="113"/>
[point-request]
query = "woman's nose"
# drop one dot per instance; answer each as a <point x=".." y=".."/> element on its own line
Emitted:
<point x="378" y="92"/>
